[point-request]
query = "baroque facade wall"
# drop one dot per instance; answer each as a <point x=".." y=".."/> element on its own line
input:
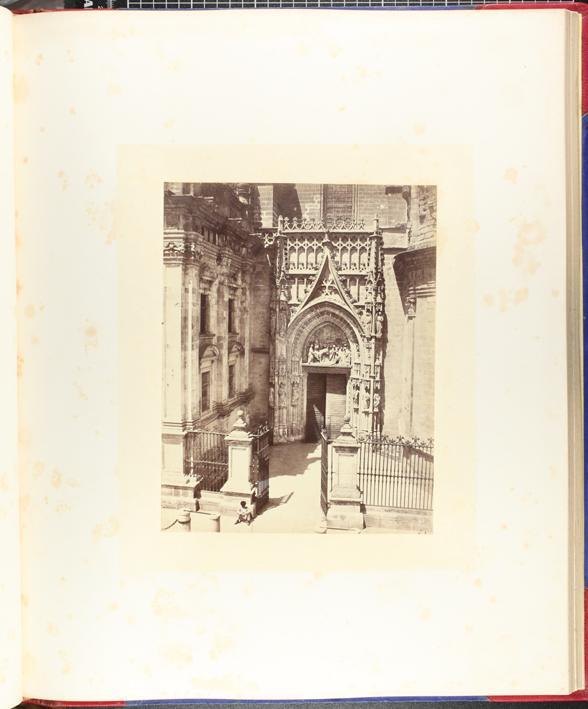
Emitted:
<point x="208" y="267"/>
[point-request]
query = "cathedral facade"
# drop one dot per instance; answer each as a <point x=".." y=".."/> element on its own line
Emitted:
<point x="305" y="305"/>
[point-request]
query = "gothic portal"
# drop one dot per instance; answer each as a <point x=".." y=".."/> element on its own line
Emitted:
<point x="326" y="325"/>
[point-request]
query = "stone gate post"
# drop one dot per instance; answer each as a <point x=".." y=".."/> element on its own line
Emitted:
<point x="345" y="497"/>
<point x="237" y="487"/>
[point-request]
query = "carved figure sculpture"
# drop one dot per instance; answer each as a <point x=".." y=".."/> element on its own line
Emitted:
<point x="295" y="395"/>
<point x="366" y="396"/>
<point x="376" y="401"/>
<point x="282" y="403"/>
<point x="379" y="324"/>
<point x="356" y="394"/>
<point x="334" y="353"/>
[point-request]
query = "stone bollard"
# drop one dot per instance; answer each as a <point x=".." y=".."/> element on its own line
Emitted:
<point x="204" y="522"/>
<point x="183" y="520"/>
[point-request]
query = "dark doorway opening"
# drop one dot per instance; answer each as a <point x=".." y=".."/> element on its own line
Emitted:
<point x="316" y="393"/>
<point x="325" y="404"/>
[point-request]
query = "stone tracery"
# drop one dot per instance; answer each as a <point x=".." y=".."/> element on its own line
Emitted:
<point x="326" y="277"/>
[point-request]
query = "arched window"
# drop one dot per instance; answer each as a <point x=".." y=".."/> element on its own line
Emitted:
<point x="208" y="357"/>
<point x="235" y="370"/>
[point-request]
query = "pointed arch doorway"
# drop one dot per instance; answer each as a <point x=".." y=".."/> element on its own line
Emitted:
<point x="326" y="360"/>
<point x="326" y="324"/>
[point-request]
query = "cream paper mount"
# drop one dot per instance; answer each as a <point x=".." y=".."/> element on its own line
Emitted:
<point x="138" y="232"/>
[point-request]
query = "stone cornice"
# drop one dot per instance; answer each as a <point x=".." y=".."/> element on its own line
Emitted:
<point x="178" y="248"/>
<point x="181" y="247"/>
<point x="203" y="208"/>
<point x="224" y="408"/>
<point x="421" y="245"/>
<point x="418" y="256"/>
<point x="415" y="271"/>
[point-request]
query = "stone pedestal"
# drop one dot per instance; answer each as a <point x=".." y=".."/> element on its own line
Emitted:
<point x="238" y="486"/>
<point x="179" y="492"/>
<point x="345" y="510"/>
<point x="345" y="498"/>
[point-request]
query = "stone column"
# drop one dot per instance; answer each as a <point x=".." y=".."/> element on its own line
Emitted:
<point x="178" y="489"/>
<point x="244" y="330"/>
<point x="345" y="498"/>
<point x="222" y="339"/>
<point x="405" y="424"/>
<point x="194" y="343"/>
<point x="173" y="394"/>
<point x="237" y="487"/>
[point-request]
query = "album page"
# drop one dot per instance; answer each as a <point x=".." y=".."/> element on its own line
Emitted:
<point x="10" y="630"/>
<point x="294" y="343"/>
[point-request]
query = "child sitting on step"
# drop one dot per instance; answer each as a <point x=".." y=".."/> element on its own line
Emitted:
<point x="244" y="513"/>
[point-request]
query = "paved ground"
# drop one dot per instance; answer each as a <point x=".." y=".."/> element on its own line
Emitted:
<point x="294" y="504"/>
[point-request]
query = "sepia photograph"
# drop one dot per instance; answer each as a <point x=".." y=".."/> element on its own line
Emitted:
<point x="298" y="358"/>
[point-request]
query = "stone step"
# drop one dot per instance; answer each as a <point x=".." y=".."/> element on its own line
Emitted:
<point x="209" y="501"/>
<point x="178" y="503"/>
<point x="399" y="519"/>
<point x="335" y="530"/>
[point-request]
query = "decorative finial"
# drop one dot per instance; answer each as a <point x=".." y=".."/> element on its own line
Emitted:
<point x="346" y="429"/>
<point x="240" y="423"/>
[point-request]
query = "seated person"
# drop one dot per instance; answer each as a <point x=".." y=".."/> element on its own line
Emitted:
<point x="244" y="513"/>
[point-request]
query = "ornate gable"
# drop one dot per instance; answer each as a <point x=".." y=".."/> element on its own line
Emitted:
<point x="326" y="310"/>
<point x="327" y="285"/>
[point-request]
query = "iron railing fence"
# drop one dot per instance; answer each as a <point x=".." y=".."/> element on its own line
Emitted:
<point x="209" y="459"/>
<point x="396" y="472"/>
<point x="262" y="438"/>
<point x="326" y="469"/>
